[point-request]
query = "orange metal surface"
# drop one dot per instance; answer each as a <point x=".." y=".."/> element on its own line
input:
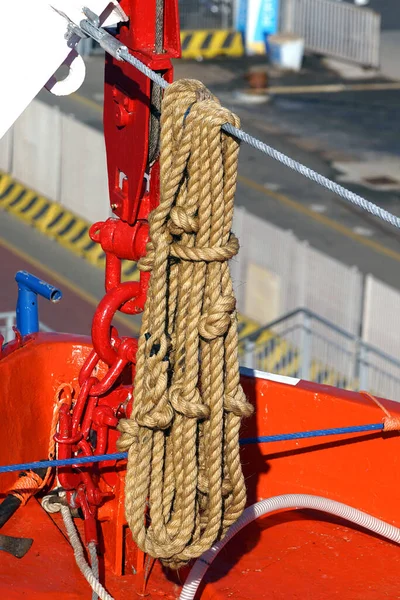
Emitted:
<point x="301" y="556"/>
<point x="29" y="378"/>
<point x="358" y="469"/>
<point x="286" y="556"/>
<point x="304" y="554"/>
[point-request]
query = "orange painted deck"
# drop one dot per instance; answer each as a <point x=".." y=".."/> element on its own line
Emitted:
<point x="290" y="555"/>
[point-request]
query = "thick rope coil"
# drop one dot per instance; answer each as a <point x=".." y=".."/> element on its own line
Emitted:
<point x="184" y="484"/>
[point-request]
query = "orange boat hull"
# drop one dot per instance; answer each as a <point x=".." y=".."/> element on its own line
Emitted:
<point x="293" y="554"/>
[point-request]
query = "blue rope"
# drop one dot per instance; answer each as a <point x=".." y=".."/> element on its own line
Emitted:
<point x="281" y="437"/>
<point x="85" y="460"/>
<point x="79" y="460"/>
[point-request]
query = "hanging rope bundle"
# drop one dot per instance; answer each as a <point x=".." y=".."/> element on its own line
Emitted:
<point x="184" y="470"/>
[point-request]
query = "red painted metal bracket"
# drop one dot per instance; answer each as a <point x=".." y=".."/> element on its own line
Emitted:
<point x="127" y="103"/>
<point x="134" y="184"/>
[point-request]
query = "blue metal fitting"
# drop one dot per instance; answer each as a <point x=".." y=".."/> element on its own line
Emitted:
<point x="29" y="287"/>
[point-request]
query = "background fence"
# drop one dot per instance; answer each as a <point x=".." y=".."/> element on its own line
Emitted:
<point x="334" y="28"/>
<point x="206" y="14"/>
<point x="274" y="273"/>
<point x="8" y="321"/>
<point x="302" y="344"/>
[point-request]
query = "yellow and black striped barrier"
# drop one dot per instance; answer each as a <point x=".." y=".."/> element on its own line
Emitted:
<point x="274" y="354"/>
<point x="211" y="43"/>
<point x="56" y="222"/>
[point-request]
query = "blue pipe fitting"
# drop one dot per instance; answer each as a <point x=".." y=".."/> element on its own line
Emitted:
<point x="29" y="288"/>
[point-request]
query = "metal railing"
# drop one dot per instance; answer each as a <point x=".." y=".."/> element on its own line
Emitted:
<point x="303" y="344"/>
<point x="335" y="29"/>
<point x="8" y="321"/>
<point x="194" y="15"/>
<point x="206" y="14"/>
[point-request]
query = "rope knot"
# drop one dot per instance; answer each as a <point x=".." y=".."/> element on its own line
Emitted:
<point x="188" y="404"/>
<point x="216" y="322"/>
<point x="391" y="424"/>
<point x="238" y="404"/>
<point x="129" y="430"/>
<point x="181" y="221"/>
<point x="26" y="486"/>
<point x="159" y="418"/>
<point x="216" y="254"/>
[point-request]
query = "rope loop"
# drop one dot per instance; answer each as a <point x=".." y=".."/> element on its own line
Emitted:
<point x="204" y="488"/>
<point x="188" y="404"/>
<point x="30" y="483"/>
<point x="218" y="254"/>
<point x="182" y="222"/>
<point x="184" y="472"/>
<point x="238" y="405"/>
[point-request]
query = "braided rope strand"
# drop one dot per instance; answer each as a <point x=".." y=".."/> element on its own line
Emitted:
<point x="183" y="466"/>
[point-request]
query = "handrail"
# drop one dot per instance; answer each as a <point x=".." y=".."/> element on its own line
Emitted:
<point x="315" y="317"/>
<point x="11" y="315"/>
<point x="293" y="313"/>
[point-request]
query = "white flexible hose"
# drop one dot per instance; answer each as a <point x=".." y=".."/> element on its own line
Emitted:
<point x="265" y="507"/>
<point x="80" y="557"/>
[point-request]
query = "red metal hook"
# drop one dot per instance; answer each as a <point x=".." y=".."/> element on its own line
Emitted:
<point x="102" y="320"/>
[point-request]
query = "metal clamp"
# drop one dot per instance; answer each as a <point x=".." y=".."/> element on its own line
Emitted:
<point x="109" y="43"/>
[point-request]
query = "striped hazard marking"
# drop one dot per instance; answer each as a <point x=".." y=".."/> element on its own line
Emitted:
<point x="274" y="354"/>
<point x="56" y="222"/>
<point x="211" y="43"/>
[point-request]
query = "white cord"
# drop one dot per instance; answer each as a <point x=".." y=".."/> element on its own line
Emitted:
<point x="270" y="505"/>
<point x="79" y="556"/>
<point x="49" y="506"/>
<point x="94" y="563"/>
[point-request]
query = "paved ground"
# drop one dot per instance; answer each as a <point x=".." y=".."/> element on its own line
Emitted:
<point x="389" y="10"/>
<point x="390" y="44"/>
<point x="320" y="130"/>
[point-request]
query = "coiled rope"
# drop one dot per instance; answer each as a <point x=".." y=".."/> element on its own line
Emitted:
<point x="182" y="439"/>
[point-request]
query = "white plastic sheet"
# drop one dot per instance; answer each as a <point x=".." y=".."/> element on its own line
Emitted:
<point x="33" y="46"/>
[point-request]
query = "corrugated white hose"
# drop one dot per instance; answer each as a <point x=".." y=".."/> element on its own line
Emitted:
<point x="265" y="507"/>
<point x="80" y="557"/>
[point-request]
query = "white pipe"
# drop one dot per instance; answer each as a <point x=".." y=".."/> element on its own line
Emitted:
<point x="270" y="505"/>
